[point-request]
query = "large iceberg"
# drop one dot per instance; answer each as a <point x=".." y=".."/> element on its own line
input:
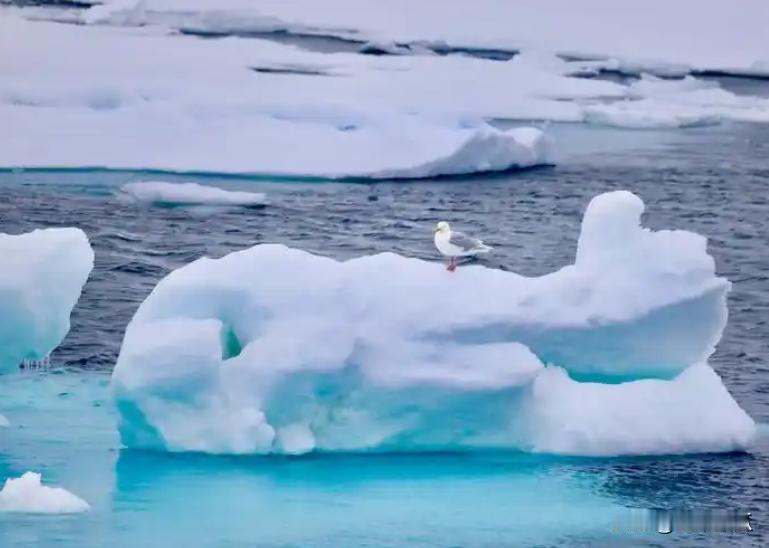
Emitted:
<point x="275" y="350"/>
<point x="42" y="276"/>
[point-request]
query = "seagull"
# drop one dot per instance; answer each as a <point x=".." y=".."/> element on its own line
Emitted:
<point x="453" y="244"/>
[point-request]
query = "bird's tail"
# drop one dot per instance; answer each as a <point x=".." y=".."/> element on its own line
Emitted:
<point x="483" y="248"/>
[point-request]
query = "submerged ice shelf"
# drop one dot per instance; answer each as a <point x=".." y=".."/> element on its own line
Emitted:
<point x="68" y="435"/>
<point x="275" y="350"/>
<point x="140" y="497"/>
<point x="42" y="276"/>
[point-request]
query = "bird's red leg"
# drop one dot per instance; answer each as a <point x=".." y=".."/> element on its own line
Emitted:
<point x="452" y="264"/>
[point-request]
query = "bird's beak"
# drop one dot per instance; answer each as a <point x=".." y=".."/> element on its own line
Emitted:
<point x="436" y="229"/>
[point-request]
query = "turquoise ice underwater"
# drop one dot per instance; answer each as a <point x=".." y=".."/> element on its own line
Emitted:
<point x="156" y="499"/>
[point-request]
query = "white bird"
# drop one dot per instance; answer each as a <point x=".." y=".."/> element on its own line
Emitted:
<point x="453" y="244"/>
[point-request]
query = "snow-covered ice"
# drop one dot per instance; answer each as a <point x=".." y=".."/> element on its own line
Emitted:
<point x="640" y="36"/>
<point x="485" y="149"/>
<point x="146" y="98"/>
<point x="659" y="103"/>
<point x="401" y="147"/>
<point x="272" y="349"/>
<point x="42" y="276"/>
<point x="151" y="100"/>
<point x="27" y="494"/>
<point x="166" y="193"/>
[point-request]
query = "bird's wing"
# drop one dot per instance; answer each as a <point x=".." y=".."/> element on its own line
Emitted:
<point x="464" y="242"/>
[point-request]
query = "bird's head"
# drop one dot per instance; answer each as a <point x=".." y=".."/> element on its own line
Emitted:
<point x="441" y="227"/>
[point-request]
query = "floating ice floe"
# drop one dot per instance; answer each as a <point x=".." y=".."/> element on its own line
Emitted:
<point x="185" y="104"/>
<point x="28" y="495"/>
<point x="4" y="422"/>
<point x="659" y="103"/>
<point x="42" y="276"/>
<point x="275" y="350"/>
<point x="404" y="147"/>
<point x="648" y="114"/>
<point x="170" y="194"/>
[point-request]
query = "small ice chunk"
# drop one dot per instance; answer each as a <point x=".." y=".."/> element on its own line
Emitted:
<point x="28" y="495"/>
<point x="165" y="193"/>
<point x="42" y="275"/>
<point x="4" y="422"/>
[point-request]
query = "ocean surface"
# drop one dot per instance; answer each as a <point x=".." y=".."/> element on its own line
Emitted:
<point x="711" y="180"/>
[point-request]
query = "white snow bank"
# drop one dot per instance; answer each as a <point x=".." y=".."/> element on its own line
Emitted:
<point x="641" y="35"/>
<point x="42" y="275"/>
<point x="27" y="494"/>
<point x="272" y="349"/>
<point x="165" y="193"/>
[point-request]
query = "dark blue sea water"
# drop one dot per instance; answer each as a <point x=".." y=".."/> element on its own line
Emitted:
<point x="710" y="180"/>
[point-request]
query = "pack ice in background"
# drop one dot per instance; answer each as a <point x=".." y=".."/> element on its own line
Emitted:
<point x="275" y="350"/>
<point x="597" y="29"/>
<point x="278" y="88"/>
